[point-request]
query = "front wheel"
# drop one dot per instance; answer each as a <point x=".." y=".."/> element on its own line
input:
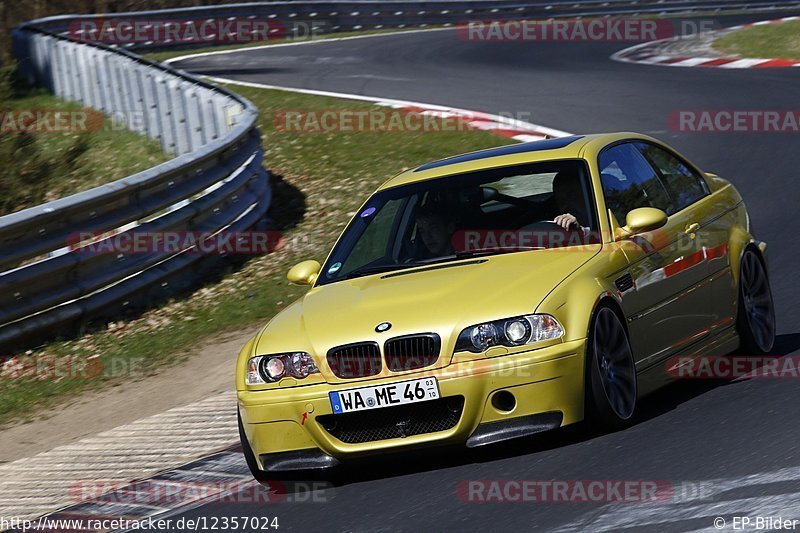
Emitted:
<point x="611" y="374"/>
<point x="755" y="319"/>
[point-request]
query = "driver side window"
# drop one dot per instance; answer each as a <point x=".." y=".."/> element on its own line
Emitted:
<point x="685" y="186"/>
<point x="629" y="182"/>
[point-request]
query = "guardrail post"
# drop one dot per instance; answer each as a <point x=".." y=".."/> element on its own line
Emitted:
<point x="166" y="114"/>
<point x="133" y="101"/>
<point x="194" y="117"/>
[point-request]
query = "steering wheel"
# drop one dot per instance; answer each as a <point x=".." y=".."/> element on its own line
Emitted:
<point x="549" y="233"/>
<point x="550" y="222"/>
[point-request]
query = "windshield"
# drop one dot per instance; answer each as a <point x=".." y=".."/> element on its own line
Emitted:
<point x="501" y="210"/>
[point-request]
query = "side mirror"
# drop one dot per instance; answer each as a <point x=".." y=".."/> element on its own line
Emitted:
<point x="644" y="219"/>
<point x="304" y="273"/>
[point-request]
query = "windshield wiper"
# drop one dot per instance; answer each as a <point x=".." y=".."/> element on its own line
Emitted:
<point x="497" y="250"/>
<point x="368" y="270"/>
<point x="465" y="254"/>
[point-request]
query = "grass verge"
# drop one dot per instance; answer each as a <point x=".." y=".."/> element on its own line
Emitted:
<point x="170" y="54"/>
<point x="779" y="40"/>
<point x="44" y="161"/>
<point x="321" y="179"/>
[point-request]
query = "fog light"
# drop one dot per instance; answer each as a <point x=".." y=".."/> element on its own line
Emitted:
<point x="504" y="401"/>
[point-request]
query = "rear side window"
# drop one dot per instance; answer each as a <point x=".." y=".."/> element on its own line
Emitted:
<point x="630" y="182"/>
<point x="684" y="185"/>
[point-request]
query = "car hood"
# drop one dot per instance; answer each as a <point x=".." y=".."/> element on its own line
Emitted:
<point x="442" y="299"/>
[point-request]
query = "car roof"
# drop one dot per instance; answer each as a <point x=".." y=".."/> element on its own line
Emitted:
<point x="571" y="147"/>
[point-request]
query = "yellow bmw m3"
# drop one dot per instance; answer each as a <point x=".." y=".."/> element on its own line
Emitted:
<point x="501" y="293"/>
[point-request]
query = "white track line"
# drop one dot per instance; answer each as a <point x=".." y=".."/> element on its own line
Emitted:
<point x="526" y="129"/>
<point x="744" y="63"/>
<point x="480" y="117"/>
<point x="298" y="43"/>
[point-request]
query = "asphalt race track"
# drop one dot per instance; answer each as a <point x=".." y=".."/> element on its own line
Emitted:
<point x="736" y="440"/>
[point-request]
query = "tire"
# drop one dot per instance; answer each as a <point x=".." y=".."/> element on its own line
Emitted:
<point x="249" y="456"/>
<point x="611" y="388"/>
<point x="755" y="319"/>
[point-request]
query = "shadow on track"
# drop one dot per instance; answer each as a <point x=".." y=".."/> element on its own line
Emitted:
<point x="669" y="397"/>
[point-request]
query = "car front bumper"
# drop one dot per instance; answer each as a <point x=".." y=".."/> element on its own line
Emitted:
<point x="284" y="432"/>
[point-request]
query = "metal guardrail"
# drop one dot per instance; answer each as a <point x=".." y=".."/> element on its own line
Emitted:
<point x="326" y="16"/>
<point x="216" y="182"/>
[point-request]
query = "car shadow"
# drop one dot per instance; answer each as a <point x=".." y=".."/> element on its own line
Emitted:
<point x="680" y="391"/>
<point x="391" y="465"/>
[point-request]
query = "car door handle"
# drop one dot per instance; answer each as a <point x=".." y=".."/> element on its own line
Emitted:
<point x="692" y="228"/>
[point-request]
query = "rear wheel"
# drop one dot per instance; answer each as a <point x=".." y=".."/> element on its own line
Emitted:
<point x="611" y="374"/>
<point x="756" y="315"/>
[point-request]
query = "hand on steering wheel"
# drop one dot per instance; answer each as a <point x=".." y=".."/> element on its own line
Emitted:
<point x="566" y="220"/>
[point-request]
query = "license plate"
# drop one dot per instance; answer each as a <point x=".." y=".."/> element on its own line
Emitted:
<point x="402" y="392"/>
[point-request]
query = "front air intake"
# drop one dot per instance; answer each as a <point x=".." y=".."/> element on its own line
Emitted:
<point x="358" y="360"/>
<point x="412" y="351"/>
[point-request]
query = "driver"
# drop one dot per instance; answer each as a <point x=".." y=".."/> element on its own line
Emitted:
<point x="569" y="198"/>
<point x="435" y="228"/>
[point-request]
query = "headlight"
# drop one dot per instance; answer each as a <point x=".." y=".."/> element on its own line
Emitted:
<point x="271" y="368"/>
<point x="483" y="335"/>
<point x="509" y="332"/>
